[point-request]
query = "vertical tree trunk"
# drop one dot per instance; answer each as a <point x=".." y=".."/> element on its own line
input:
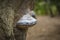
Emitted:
<point x="48" y="8"/>
<point x="10" y="13"/>
<point x="7" y="17"/>
<point x="6" y="20"/>
<point x="58" y="6"/>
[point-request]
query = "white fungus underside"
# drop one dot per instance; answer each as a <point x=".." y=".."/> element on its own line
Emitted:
<point x="27" y="20"/>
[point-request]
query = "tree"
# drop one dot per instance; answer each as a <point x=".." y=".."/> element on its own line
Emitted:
<point x="48" y="7"/>
<point x="57" y="2"/>
<point x="10" y="13"/>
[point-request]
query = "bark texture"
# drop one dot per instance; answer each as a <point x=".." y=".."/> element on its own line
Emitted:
<point x="10" y="13"/>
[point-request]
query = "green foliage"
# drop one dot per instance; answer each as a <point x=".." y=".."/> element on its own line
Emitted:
<point x="54" y="10"/>
<point x="41" y="6"/>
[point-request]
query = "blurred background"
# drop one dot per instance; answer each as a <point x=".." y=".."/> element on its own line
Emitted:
<point x="47" y="7"/>
<point x="48" y="21"/>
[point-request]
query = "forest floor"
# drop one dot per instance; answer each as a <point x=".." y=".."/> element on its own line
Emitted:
<point x="47" y="28"/>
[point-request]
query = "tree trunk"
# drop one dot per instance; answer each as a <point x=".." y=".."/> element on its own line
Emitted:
<point x="10" y="13"/>
<point x="58" y="6"/>
<point x="48" y="8"/>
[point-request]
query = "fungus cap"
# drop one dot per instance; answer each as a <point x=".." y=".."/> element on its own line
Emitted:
<point x="26" y="21"/>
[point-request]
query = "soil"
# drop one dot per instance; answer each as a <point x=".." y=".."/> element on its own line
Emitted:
<point x="47" y="28"/>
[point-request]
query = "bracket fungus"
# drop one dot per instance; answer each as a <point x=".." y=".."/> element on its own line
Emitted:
<point x="26" y="21"/>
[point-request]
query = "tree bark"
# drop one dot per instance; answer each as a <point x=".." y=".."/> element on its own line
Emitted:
<point x="10" y="13"/>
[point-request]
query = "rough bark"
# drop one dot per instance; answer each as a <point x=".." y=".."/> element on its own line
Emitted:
<point x="7" y="17"/>
<point x="10" y="13"/>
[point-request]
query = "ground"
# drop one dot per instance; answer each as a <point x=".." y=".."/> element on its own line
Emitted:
<point x="47" y="28"/>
